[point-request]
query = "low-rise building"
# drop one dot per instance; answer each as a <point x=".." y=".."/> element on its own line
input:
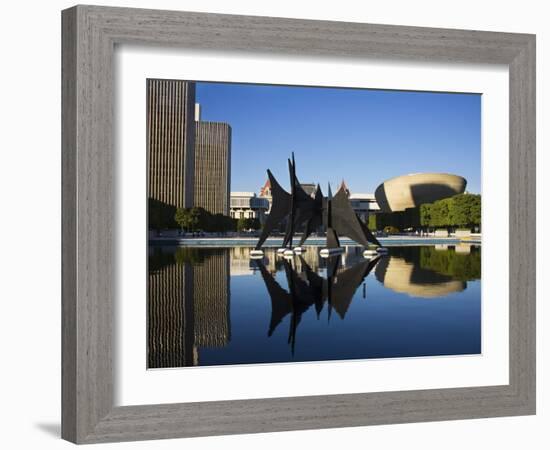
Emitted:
<point x="248" y="206"/>
<point x="364" y="205"/>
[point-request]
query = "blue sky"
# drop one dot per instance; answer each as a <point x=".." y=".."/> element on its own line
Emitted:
<point x="360" y="135"/>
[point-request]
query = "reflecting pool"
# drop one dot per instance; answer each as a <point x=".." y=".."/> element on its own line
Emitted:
<point x="215" y="306"/>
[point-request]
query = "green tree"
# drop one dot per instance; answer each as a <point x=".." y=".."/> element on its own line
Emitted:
<point x="459" y="211"/>
<point x="242" y="224"/>
<point x="426" y="215"/>
<point x="182" y="218"/>
<point x="444" y="209"/>
<point x="465" y="210"/>
<point x="248" y="224"/>
<point x="160" y="215"/>
<point x="195" y="215"/>
<point x="198" y="218"/>
<point x="462" y="210"/>
<point x="220" y="223"/>
<point x="371" y="224"/>
<point x="475" y="211"/>
<point x="187" y="218"/>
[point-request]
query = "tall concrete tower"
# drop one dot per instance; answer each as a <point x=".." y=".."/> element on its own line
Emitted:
<point x="213" y="166"/>
<point x="171" y="141"/>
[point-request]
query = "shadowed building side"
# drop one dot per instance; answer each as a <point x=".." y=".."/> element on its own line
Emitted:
<point x="211" y="300"/>
<point x="212" y="167"/>
<point x="170" y="317"/>
<point x="170" y="141"/>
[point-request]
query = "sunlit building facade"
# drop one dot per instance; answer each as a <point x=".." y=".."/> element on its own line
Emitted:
<point x="171" y="142"/>
<point x="213" y="166"/>
<point x="246" y="205"/>
<point x="364" y="205"/>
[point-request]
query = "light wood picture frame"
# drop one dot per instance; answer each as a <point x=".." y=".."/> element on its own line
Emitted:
<point x="89" y="35"/>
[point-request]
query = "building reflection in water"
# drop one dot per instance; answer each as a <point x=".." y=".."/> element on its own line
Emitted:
<point x="430" y="272"/>
<point x="188" y="305"/>
<point x="170" y="318"/>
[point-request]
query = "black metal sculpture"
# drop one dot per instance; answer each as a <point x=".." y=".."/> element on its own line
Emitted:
<point x="280" y="209"/>
<point x="299" y="209"/>
<point x="345" y="222"/>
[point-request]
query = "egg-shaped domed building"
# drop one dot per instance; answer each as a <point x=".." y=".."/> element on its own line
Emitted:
<point x="410" y="191"/>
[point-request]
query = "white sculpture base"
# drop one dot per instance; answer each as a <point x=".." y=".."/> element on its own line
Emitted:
<point x="256" y="254"/>
<point x="326" y="252"/>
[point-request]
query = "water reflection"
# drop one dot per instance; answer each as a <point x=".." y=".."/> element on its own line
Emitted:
<point x="217" y="306"/>
<point x="430" y="272"/>
<point x="307" y="288"/>
<point x="188" y="305"/>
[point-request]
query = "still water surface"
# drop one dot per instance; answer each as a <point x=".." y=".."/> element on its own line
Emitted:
<point x="213" y="306"/>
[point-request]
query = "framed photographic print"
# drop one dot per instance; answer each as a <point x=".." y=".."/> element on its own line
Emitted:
<point x="278" y="224"/>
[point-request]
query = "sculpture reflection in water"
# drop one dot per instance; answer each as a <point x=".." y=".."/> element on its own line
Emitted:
<point x="306" y="289"/>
